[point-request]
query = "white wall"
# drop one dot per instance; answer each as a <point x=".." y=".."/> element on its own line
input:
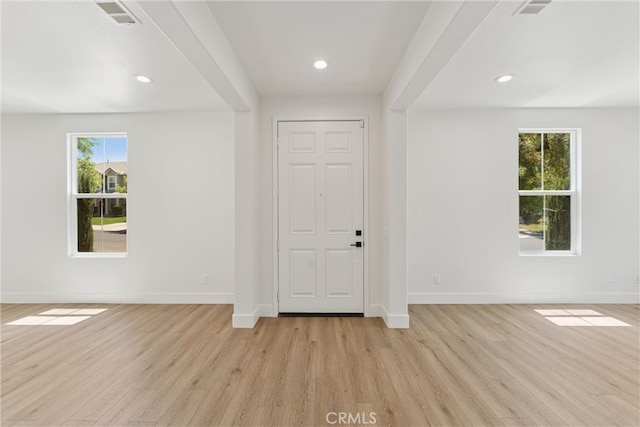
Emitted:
<point x="246" y="310"/>
<point x="310" y="108"/>
<point x="463" y="209"/>
<point x="180" y="210"/>
<point x="394" y="213"/>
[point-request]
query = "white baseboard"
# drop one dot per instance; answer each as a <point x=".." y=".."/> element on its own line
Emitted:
<point x="246" y="320"/>
<point x="375" y="310"/>
<point x="395" y="321"/>
<point x="120" y="298"/>
<point x="526" y="298"/>
<point x="266" y="310"/>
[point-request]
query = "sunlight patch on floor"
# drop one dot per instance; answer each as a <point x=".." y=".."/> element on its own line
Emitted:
<point x="569" y="321"/>
<point x="579" y="317"/>
<point x="73" y="311"/>
<point x="58" y="317"/>
<point x="552" y="312"/>
<point x="605" y="321"/>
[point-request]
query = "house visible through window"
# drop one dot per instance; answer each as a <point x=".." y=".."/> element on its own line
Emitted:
<point x="548" y="190"/>
<point x="98" y="194"/>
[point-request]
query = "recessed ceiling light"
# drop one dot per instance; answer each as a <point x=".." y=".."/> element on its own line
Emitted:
<point x="505" y="78"/>
<point x="142" y="79"/>
<point x="320" y="64"/>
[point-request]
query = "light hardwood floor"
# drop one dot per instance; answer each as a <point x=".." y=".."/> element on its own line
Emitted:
<point x="183" y="365"/>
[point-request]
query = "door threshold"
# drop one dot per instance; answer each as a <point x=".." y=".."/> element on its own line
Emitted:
<point x="320" y="314"/>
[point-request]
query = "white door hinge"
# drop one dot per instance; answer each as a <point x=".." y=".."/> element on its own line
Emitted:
<point x="361" y="124"/>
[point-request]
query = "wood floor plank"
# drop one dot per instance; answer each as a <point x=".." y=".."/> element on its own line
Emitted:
<point x="129" y="404"/>
<point x="532" y="407"/>
<point x="184" y="365"/>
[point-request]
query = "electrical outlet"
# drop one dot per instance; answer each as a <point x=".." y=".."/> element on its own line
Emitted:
<point x="43" y="278"/>
<point x="436" y="279"/>
<point x="205" y="279"/>
<point x="611" y="279"/>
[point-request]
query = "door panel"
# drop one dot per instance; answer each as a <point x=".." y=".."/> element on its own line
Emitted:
<point x="337" y="196"/>
<point x="302" y="142"/>
<point x="302" y="187"/>
<point x="338" y="142"/>
<point x="303" y="267"/>
<point x="320" y="207"/>
<point x="339" y="273"/>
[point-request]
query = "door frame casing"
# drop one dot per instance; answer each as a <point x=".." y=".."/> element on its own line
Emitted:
<point x="274" y="197"/>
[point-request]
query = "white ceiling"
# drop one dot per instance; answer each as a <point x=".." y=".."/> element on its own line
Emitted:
<point x="277" y="42"/>
<point x="572" y="54"/>
<point x="68" y="56"/>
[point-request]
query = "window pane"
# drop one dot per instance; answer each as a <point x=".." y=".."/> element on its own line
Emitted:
<point x="115" y="164"/>
<point x="88" y="214"/>
<point x="102" y="164"/>
<point x="558" y="223"/>
<point x="557" y="161"/>
<point x="531" y="227"/>
<point x="88" y="178"/>
<point x="102" y="225"/>
<point x="545" y="223"/>
<point x="530" y="161"/>
<point x="113" y="233"/>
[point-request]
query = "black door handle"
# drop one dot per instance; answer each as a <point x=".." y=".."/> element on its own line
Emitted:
<point x="357" y="244"/>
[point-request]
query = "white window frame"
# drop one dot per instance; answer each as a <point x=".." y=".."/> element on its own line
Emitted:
<point x="74" y="196"/>
<point x="574" y="191"/>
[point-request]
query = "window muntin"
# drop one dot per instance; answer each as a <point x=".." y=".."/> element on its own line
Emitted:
<point x="548" y="192"/>
<point x="98" y="196"/>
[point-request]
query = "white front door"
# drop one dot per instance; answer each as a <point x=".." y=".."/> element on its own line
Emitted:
<point x="321" y="217"/>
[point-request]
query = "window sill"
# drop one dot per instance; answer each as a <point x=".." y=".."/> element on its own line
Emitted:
<point x="99" y="255"/>
<point x="552" y="254"/>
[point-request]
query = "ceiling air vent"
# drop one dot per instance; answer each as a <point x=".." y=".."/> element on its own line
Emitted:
<point x="532" y="7"/>
<point x="116" y="11"/>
